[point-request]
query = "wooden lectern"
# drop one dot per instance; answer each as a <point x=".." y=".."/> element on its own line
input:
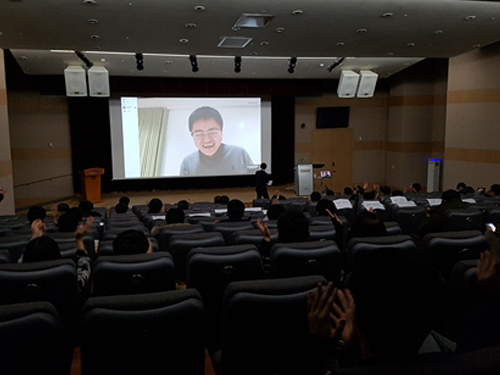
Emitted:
<point x="91" y="184"/>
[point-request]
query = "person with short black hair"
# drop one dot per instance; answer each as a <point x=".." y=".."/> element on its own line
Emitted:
<point x="124" y="200"/>
<point x="36" y="212"/>
<point x="155" y="206"/>
<point x="415" y="187"/>
<point x="461" y="186"/>
<point x="323" y="205"/>
<point x="224" y="199"/>
<point x="121" y="208"/>
<point x="261" y="181"/>
<point x="174" y="216"/>
<point x="86" y="207"/>
<point x="348" y="191"/>
<point x="212" y="157"/>
<point x="132" y="242"/>
<point x="217" y="199"/>
<point x="63" y="207"/>
<point x="235" y="211"/>
<point x="67" y="223"/>
<point x="315" y="196"/>
<point x="183" y="204"/>
<point x="275" y="211"/>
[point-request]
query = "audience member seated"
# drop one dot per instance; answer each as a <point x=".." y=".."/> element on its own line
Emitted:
<point x="36" y="212"/>
<point x="155" y="206"/>
<point x="217" y="199"/>
<point x="63" y="208"/>
<point x="183" y="204"/>
<point x="415" y="188"/>
<point x="460" y="187"/>
<point x="121" y="208"/>
<point x="348" y="191"/>
<point x="235" y="211"/>
<point x="494" y="191"/>
<point x="42" y="248"/>
<point x="323" y="205"/>
<point x="275" y="211"/>
<point x="224" y="199"/>
<point x="67" y="223"/>
<point x="124" y="200"/>
<point x="86" y="207"/>
<point x="174" y="216"/>
<point x="293" y="226"/>
<point x="315" y="196"/>
<point x="384" y="317"/>
<point x="132" y="242"/>
<point x="435" y="222"/>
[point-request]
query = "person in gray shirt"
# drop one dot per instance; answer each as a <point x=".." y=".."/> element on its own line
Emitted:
<point x="213" y="157"/>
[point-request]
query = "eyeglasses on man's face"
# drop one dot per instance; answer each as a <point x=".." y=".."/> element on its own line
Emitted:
<point x="211" y="133"/>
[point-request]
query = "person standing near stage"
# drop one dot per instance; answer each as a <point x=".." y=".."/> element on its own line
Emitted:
<point x="261" y="181"/>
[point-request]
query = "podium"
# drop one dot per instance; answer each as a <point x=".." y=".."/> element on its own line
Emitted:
<point x="304" y="179"/>
<point x="91" y="184"/>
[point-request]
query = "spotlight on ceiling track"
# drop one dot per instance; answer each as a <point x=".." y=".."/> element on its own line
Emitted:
<point x="292" y="64"/>
<point x="139" y="59"/>
<point x="194" y="63"/>
<point x="84" y="58"/>
<point x="237" y="64"/>
<point x="336" y="63"/>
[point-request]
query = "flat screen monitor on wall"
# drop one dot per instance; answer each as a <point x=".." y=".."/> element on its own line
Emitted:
<point x="332" y="117"/>
<point x="155" y="137"/>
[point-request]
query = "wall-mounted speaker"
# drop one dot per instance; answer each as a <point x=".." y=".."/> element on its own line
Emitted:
<point x="76" y="81"/>
<point x="348" y="84"/>
<point x="98" y="81"/>
<point x="367" y="82"/>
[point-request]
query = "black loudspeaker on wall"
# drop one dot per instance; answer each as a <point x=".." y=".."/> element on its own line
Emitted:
<point x="75" y="80"/>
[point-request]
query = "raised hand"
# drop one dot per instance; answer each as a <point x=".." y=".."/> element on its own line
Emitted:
<point x="321" y="320"/>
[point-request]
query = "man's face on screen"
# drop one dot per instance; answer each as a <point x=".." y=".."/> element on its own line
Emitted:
<point x="207" y="136"/>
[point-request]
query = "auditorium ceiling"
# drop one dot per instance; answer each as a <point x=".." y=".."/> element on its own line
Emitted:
<point x="325" y="36"/>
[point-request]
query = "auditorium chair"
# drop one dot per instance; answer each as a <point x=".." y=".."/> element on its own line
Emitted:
<point x="322" y="232"/>
<point x="357" y="247"/>
<point x="493" y="216"/>
<point x="393" y="228"/>
<point x="67" y="238"/>
<point x="264" y="322"/>
<point x="253" y="236"/>
<point x="211" y="270"/>
<point x="264" y="203"/>
<point x="306" y="258"/>
<point x="53" y="281"/>
<point x="320" y="220"/>
<point x="181" y="244"/>
<point x="14" y="245"/>
<point x="227" y="228"/>
<point x="409" y="218"/>
<point x="154" y="334"/>
<point x="32" y="340"/>
<point x="169" y="231"/>
<point x="133" y="274"/>
<point x="465" y="219"/>
<point x="111" y="234"/>
<point x="447" y="248"/>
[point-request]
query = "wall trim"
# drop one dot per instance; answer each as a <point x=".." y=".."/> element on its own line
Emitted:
<point x="472" y="155"/>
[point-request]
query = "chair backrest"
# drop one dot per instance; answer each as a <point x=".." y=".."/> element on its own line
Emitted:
<point x="357" y="247"/>
<point x="166" y="233"/>
<point x="393" y="228"/>
<point x="447" y="248"/>
<point x="133" y="274"/>
<point x="53" y="281"/>
<point x="158" y="333"/>
<point x="319" y="220"/>
<point x="465" y="219"/>
<point x="253" y="236"/>
<point x="227" y="228"/>
<point x="409" y="218"/>
<point x="14" y="245"/>
<point x="306" y="258"/>
<point x="32" y="340"/>
<point x="211" y="270"/>
<point x="264" y="321"/>
<point x="181" y="244"/>
<point x="321" y="232"/>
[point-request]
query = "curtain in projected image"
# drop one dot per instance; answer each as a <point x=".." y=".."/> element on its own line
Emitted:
<point x="152" y="130"/>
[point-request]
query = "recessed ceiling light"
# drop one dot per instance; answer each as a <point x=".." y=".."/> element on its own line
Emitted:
<point x="103" y="60"/>
<point x="438" y="32"/>
<point x="388" y="14"/>
<point x="90" y="2"/>
<point x="362" y="30"/>
<point x="95" y="36"/>
<point x="477" y="46"/>
<point x="190" y="25"/>
<point x="470" y="18"/>
<point x="297" y="12"/>
<point x="199" y="8"/>
<point x="253" y="53"/>
<point x="410" y="45"/>
<point x="322" y="64"/>
<point x="183" y="40"/>
<point x="340" y="44"/>
<point x="92" y="21"/>
<point x="280" y="29"/>
<point x="96" y="48"/>
<point x="168" y="62"/>
<point x="24" y="58"/>
<point x="264" y="43"/>
<point x="234" y="28"/>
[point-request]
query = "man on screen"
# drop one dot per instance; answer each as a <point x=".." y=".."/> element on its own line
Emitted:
<point x="213" y="157"/>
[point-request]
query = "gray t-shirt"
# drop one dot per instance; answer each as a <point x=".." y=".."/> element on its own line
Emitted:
<point x="227" y="160"/>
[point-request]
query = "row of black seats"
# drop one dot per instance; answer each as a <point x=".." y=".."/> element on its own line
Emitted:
<point x="264" y="324"/>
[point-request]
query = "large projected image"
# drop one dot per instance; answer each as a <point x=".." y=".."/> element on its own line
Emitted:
<point x="176" y="137"/>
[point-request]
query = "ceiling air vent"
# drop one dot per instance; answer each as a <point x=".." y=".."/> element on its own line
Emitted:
<point x="234" y="42"/>
<point x="253" y="20"/>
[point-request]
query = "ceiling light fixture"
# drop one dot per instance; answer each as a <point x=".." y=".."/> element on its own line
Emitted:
<point x="336" y="63"/>
<point x="139" y="59"/>
<point x="199" y="8"/>
<point x="292" y="64"/>
<point x="237" y="64"/>
<point x="84" y="58"/>
<point x="194" y="63"/>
